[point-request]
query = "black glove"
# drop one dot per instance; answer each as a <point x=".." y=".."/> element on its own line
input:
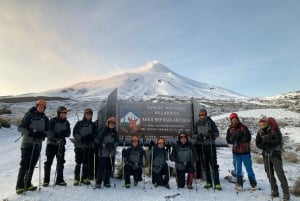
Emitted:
<point x="64" y="133"/>
<point x="32" y="132"/>
<point x="151" y="145"/>
<point x="87" y="138"/>
<point x="168" y="147"/>
<point x="200" y="137"/>
<point x="211" y="134"/>
<point x="266" y="138"/>
<point x="109" y="145"/>
<point x="36" y="134"/>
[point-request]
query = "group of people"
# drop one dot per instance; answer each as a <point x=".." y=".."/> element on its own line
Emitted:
<point x="95" y="150"/>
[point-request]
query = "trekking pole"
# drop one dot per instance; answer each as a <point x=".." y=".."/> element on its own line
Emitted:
<point x="235" y="156"/>
<point x="30" y="163"/>
<point x="144" y="186"/>
<point x="95" y="167"/>
<point x="83" y="161"/>
<point x="88" y="164"/>
<point x="212" y="163"/>
<point x="16" y="140"/>
<point x="112" y="170"/>
<point x="168" y="157"/>
<point x="58" y="163"/>
<point x="151" y="162"/>
<point x="40" y="170"/>
<point x="123" y="159"/>
<point x="203" y="157"/>
<point x="269" y="164"/>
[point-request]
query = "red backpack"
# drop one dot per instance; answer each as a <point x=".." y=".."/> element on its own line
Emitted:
<point x="273" y="123"/>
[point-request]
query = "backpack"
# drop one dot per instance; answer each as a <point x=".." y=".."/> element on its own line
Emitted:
<point x="274" y="125"/>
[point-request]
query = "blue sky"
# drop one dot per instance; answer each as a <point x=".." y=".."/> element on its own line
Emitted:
<point x="251" y="47"/>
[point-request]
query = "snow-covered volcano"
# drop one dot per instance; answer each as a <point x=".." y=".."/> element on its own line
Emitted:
<point x="152" y="80"/>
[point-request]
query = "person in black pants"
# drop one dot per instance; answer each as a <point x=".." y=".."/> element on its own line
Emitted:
<point x="59" y="130"/>
<point x="205" y="135"/>
<point x="133" y="158"/>
<point x="159" y="166"/>
<point x="34" y="127"/>
<point x="184" y="155"/>
<point x="107" y="141"/>
<point x="84" y="133"/>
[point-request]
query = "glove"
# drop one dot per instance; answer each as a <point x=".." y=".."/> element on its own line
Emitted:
<point x="87" y="138"/>
<point x="109" y="145"/>
<point x="151" y="145"/>
<point x="36" y="134"/>
<point x="200" y="137"/>
<point x="64" y="133"/>
<point x="32" y="132"/>
<point x="266" y="138"/>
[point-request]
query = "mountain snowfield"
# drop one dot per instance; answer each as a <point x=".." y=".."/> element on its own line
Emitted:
<point x="10" y="157"/>
<point x="152" y="80"/>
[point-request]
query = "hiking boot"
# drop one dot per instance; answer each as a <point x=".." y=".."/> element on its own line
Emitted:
<point x="135" y="183"/>
<point x="127" y="185"/>
<point x="20" y="190"/>
<point x="253" y="188"/>
<point x="61" y="183"/>
<point x="286" y="197"/>
<point x="86" y="182"/>
<point x="189" y="186"/>
<point x="45" y="184"/>
<point x="207" y="185"/>
<point x="238" y="188"/>
<point x="167" y="186"/>
<point x="107" y="185"/>
<point x="98" y="186"/>
<point x="76" y="182"/>
<point x="31" y="188"/>
<point x="275" y="194"/>
<point x="218" y="187"/>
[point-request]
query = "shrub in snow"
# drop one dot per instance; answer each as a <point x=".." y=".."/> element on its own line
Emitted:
<point x="4" y="122"/>
<point x="296" y="188"/>
<point x="5" y="110"/>
<point x="257" y="158"/>
<point x="290" y="157"/>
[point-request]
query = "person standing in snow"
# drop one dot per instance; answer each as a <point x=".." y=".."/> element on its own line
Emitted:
<point x="133" y="159"/>
<point x="184" y="155"/>
<point x="59" y="130"/>
<point x="34" y="127"/>
<point x="159" y="166"/>
<point x="269" y="139"/>
<point x="240" y="137"/>
<point x="206" y="133"/>
<point x="84" y="133"/>
<point x="107" y="141"/>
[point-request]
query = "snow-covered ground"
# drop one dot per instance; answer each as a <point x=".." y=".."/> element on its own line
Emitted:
<point x="10" y="157"/>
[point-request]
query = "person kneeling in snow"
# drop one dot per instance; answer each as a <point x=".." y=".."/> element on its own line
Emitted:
<point x="159" y="166"/>
<point x="184" y="155"/>
<point x="133" y="158"/>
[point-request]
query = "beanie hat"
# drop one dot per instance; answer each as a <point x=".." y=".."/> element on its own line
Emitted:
<point x="160" y="140"/>
<point x="134" y="138"/>
<point x="233" y="115"/>
<point x="263" y="118"/>
<point x="88" y="111"/>
<point x="61" y="109"/>
<point x="202" y="111"/>
<point x="41" y="102"/>
<point x="182" y="134"/>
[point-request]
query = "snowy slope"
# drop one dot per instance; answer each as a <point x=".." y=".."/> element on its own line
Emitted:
<point x="9" y="164"/>
<point x="152" y="80"/>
